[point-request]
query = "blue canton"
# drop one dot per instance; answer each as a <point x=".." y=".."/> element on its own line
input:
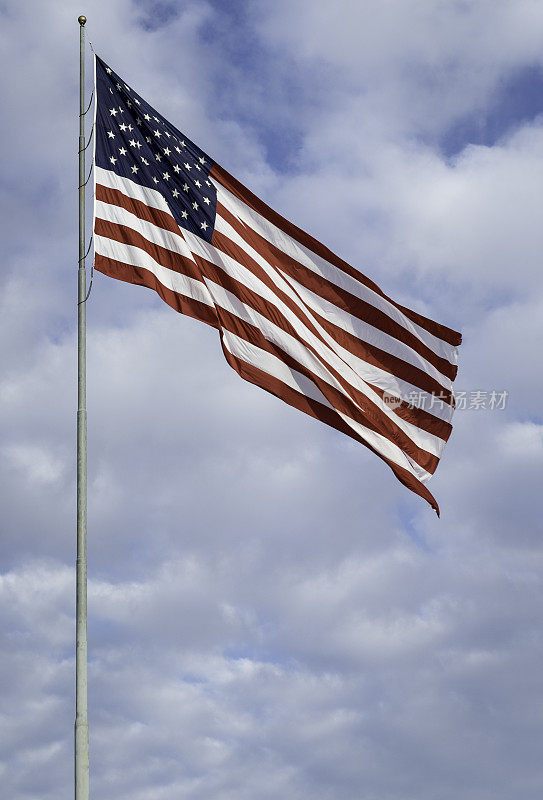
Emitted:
<point x="136" y="142"/>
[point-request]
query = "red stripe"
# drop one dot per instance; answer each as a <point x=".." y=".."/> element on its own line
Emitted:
<point x="162" y="255"/>
<point x="246" y="196"/>
<point x="142" y="277"/>
<point x="334" y="294"/>
<point x="154" y="215"/>
<point x="417" y="416"/>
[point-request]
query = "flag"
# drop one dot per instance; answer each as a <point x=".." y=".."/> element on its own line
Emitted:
<point x="293" y="317"/>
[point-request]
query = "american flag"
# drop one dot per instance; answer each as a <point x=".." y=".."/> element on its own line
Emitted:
<point x="293" y="318"/>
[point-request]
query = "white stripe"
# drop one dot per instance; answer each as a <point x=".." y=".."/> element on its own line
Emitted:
<point x="175" y="281"/>
<point x="153" y="233"/>
<point x="324" y="269"/>
<point x="176" y="243"/>
<point x="211" y="294"/>
<point x="136" y="191"/>
<point x="276" y="368"/>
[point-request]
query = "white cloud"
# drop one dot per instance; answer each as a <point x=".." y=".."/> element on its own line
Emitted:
<point x="523" y="440"/>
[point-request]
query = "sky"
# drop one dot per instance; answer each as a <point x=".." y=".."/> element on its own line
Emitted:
<point x="271" y="614"/>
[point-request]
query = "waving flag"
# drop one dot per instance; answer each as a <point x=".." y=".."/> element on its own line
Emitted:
<point x="294" y="318"/>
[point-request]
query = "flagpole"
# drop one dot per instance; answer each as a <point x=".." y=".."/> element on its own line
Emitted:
<point x="81" y="723"/>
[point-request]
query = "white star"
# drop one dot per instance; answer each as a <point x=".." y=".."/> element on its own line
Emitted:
<point x="167" y="134"/>
<point x="146" y="116"/>
<point x="202" y="161"/>
<point x="145" y="161"/>
<point x="157" y="119"/>
<point x="185" y="187"/>
<point x="182" y="143"/>
<point x="155" y="180"/>
<point x="167" y="151"/>
<point x="126" y="87"/>
<point x="137" y="101"/>
<point x="197" y="167"/>
<point x="121" y="109"/>
<point x="166" y="176"/>
<point x="206" y="201"/>
<point x="134" y="169"/>
<point x="178" y="149"/>
<point x="198" y="184"/>
<point x="108" y="70"/>
<point x="130" y="128"/>
<point x="118" y="85"/>
<point x="148" y="139"/>
<point x="123" y="127"/>
<point x="176" y="168"/>
<point x="110" y="90"/>
<point x="113" y="111"/>
<point x="111" y="134"/>
<point x="129" y="104"/>
<point x="208" y="183"/>
<point x="122" y="151"/>
<point x="112" y="159"/>
<point x="184" y="214"/>
<point x="204" y="225"/>
<point x="175" y="193"/>
<point x="158" y="157"/>
<point x="138" y="121"/>
<point x="187" y="166"/>
<point x="132" y="142"/>
<point x="195" y="206"/>
<point x="157" y="133"/>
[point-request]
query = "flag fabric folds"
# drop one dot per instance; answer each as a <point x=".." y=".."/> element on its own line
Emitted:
<point x="294" y="318"/>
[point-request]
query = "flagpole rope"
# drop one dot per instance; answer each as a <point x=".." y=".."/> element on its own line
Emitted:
<point x="88" y="249"/>
<point x="81" y="728"/>
<point x="90" y="286"/>
<point x="81" y="185"/>
<point x="89" y="105"/>
<point x="90" y="137"/>
<point x="91" y="274"/>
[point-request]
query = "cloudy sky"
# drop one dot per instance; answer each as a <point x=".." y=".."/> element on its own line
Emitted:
<point x="271" y="614"/>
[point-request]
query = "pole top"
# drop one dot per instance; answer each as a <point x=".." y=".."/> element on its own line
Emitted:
<point x="81" y="19"/>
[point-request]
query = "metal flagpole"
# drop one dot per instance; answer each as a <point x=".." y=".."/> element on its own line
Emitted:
<point x="81" y="723"/>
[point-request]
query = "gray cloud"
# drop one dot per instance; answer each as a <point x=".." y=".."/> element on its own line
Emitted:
<point x="270" y="613"/>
